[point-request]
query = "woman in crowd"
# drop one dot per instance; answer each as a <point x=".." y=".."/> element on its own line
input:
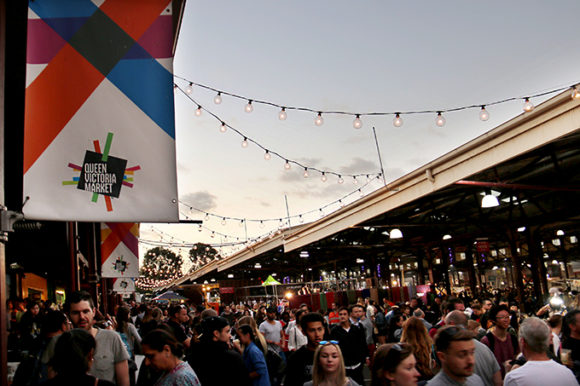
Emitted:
<point x="259" y="339"/>
<point x="130" y="338"/>
<point x="164" y="353"/>
<point x="254" y="359"/>
<point x="328" y="366"/>
<point x="394" y="364"/>
<point x="73" y="357"/>
<point x="416" y="336"/>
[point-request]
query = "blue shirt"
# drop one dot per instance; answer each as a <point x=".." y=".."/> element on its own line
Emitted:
<point x="255" y="361"/>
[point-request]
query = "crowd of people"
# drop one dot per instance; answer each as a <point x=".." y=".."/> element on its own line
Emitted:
<point x="449" y="341"/>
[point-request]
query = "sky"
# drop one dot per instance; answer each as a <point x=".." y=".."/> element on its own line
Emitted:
<point x="358" y="57"/>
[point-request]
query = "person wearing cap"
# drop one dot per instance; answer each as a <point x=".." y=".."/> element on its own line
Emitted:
<point x="212" y="359"/>
<point x="272" y="331"/>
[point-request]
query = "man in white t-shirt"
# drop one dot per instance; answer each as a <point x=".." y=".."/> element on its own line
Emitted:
<point x="272" y="330"/>
<point x="534" y="340"/>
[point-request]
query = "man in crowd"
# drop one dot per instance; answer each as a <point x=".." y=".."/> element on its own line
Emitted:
<point x="212" y="359"/>
<point x="539" y="370"/>
<point x="485" y="308"/>
<point x="486" y="365"/>
<point x="177" y="319"/>
<point x="503" y="344"/>
<point x="333" y="315"/>
<point x="352" y="341"/>
<point x="299" y="366"/>
<point x="451" y="305"/>
<point x="572" y="339"/>
<point x="228" y="314"/>
<point x="418" y="313"/>
<point x="110" y="359"/>
<point x="272" y="330"/>
<point x="456" y="352"/>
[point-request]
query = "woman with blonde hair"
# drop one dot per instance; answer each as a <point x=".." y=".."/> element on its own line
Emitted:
<point x="260" y="341"/>
<point x="416" y="335"/>
<point x="328" y="366"/>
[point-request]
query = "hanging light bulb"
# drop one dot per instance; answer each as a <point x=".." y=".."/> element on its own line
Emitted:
<point x="300" y="219"/>
<point x="224" y="221"/>
<point x="282" y="114"/>
<point x="360" y="192"/>
<point x="218" y="98"/>
<point x="287" y="165"/>
<point x="198" y="111"/>
<point x="575" y="93"/>
<point x="340" y="180"/>
<point x="396" y="234"/>
<point x="357" y="123"/>
<point x="321" y="212"/>
<point x="323" y="177"/>
<point x="245" y="143"/>
<point x="249" y="108"/>
<point x="489" y="200"/>
<point x="241" y="222"/>
<point x="528" y="106"/>
<point x="189" y="88"/>
<point x="206" y="218"/>
<point x="267" y="155"/>
<point x="223" y="128"/>
<point x="305" y="173"/>
<point x="261" y="224"/>
<point x="354" y="180"/>
<point x="483" y="114"/>
<point x="319" y="120"/>
<point x="440" y="121"/>
<point x="212" y="235"/>
<point x="397" y="121"/>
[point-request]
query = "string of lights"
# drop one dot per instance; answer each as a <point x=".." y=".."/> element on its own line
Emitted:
<point x="300" y="217"/>
<point x="268" y="153"/>
<point x="397" y="114"/>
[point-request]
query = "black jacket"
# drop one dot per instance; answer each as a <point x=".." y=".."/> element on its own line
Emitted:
<point x="215" y="364"/>
<point x="353" y="343"/>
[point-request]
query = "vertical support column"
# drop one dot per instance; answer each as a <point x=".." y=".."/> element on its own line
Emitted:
<point x="537" y="260"/>
<point x="3" y="310"/>
<point x="445" y="263"/>
<point x="516" y="266"/>
<point x="420" y="268"/>
<point x="471" y="268"/>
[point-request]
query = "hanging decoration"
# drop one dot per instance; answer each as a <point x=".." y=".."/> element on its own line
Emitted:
<point x="318" y="115"/>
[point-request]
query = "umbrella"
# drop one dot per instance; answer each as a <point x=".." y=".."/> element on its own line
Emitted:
<point x="169" y="295"/>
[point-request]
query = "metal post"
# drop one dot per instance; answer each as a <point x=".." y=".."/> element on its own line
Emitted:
<point x="3" y="310"/>
<point x="380" y="159"/>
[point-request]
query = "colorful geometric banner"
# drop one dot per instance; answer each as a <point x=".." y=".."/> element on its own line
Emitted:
<point x="124" y="285"/>
<point x="99" y="135"/>
<point x="119" y="250"/>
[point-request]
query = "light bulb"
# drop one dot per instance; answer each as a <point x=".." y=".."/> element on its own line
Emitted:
<point x="360" y="192"/>
<point x="261" y="224"/>
<point x="483" y="114"/>
<point x="224" y="221"/>
<point x="198" y="111"/>
<point x="300" y="219"/>
<point x="528" y="106"/>
<point x="305" y="173"/>
<point x="206" y="218"/>
<point x="354" y="180"/>
<point x="440" y="121"/>
<point x="575" y="93"/>
<point x="189" y="88"/>
<point x="357" y="123"/>
<point x="287" y="165"/>
<point x="340" y="179"/>
<point x="249" y="108"/>
<point x="319" y="120"/>
<point x="241" y="223"/>
<point x="323" y="177"/>
<point x="282" y="114"/>
<point x="199" y="229"/>
<point x="223" y="128"/>
<point x="218" y="98"/>
<point x="397" y="121"/>
<point x="245" y="143"/>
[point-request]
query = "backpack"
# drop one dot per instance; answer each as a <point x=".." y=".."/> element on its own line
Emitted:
<point x="491" y="340"/>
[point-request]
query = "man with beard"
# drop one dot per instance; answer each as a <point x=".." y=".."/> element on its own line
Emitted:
<point x="110" y="359"/>
<point x="272" y="331"/>
<point x="456" y="352"/>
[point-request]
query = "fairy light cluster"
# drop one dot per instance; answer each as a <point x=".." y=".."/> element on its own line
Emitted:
<point x="357" y="123"/>
<point x="268" y="153"/>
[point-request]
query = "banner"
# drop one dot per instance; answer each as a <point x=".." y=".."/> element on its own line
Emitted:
<point x="124" y="286"/>
<point x="99" y="135"/>
<point x="119" y="250"/>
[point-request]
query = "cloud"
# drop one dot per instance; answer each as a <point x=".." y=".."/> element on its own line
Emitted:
<point x="200" y="200"/>
<point x="359" y="166"/>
